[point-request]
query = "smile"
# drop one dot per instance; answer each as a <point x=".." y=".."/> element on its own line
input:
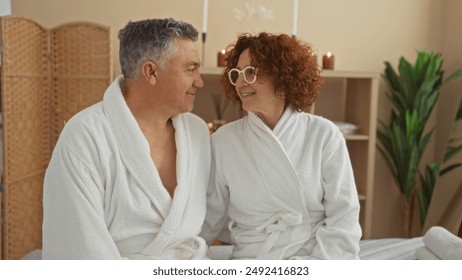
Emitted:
<point x="246" y="94"/>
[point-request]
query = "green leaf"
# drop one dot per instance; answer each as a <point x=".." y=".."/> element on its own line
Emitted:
<point x="406" y="82"/>
<point x="451" y="151"/>
<point x="459" y="111"/>
<point x="391" y="77"/>
<point x="450" y="168"/>
<point x="428" y="183"/>
<point x="454" y="75"/>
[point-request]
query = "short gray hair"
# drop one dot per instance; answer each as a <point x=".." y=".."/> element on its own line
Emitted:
<point x="151" y="39"/>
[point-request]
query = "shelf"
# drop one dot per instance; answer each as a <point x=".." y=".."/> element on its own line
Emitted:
<point x="356" y="137"/>
<point x="342" y="74"/>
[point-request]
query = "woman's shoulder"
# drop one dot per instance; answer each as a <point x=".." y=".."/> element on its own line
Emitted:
<point x="319" y="122"/>
<point x="229" y="131"/>
<point x="232" y="127"/>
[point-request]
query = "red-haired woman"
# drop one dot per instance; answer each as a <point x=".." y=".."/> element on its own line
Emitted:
<point x="281" y="177"/>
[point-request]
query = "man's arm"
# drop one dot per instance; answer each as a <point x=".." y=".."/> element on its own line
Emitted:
<point x="73" y="225"/>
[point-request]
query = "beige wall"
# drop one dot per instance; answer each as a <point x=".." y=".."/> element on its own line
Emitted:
<point x="362" y="34"/>
<point x="450" y="185"/>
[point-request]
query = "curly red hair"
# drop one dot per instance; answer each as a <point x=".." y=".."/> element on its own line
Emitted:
<point x="283" y="58"/>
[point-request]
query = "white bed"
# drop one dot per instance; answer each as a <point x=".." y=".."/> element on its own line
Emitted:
<point x="373" y="249"/>
<point x="437" y="243"/>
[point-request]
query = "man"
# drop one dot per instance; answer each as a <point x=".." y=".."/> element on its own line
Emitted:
<point x="128" y="176"/>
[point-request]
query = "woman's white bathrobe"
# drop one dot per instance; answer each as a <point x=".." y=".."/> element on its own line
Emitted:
<point x="103" y="197"/>
<point x="289" y="193"/>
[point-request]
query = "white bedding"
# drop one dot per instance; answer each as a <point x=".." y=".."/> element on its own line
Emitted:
<point x="372" y="249"/>
<point x="437" y="243"/>
<point x="389" y="248"/>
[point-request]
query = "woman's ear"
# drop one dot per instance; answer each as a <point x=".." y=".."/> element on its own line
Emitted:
<point x="149" y="71"/>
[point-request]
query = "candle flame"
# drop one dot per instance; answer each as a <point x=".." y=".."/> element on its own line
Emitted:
<point x="329" y="54"/>
<point x="223" y="51"/>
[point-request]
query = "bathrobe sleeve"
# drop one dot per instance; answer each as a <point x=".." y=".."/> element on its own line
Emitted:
<point x="217" y="204"/>
<point x="339" y="237"/>
<point x="74" y="226"/>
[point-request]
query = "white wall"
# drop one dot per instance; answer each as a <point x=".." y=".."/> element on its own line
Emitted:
<point x="362" y="34"/>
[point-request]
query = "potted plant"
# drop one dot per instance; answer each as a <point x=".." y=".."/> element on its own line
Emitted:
<point x="413" y="93"/>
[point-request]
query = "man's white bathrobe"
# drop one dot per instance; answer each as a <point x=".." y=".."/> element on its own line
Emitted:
<point x="289" y="193"/>
<point x="104" y="199"/>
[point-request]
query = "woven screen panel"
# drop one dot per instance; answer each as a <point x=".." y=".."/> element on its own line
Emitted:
<point x="81" y="69"/>
<point x="26" y="127"/>
<point x="67" y="104"/>
<point x="23" y="217"/>
<point x="25" y="47"/>
<point x="25" y="89"/>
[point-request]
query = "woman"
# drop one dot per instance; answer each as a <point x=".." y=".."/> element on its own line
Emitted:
<point x="282" y="178"/>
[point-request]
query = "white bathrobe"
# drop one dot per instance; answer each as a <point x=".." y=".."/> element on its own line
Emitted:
<point x="104" y="199"/>
<point x="289" y="193"/>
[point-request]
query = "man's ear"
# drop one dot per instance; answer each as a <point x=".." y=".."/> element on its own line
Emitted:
<point x="149" y="71"/>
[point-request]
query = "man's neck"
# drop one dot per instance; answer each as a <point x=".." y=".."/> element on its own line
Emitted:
<point x="148" y="114"/>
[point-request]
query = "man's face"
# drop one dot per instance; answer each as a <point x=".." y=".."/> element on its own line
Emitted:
<point x="178" y="83"/>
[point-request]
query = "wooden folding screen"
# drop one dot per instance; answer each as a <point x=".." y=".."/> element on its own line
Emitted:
<point x="46" y="77"/>
<point x="81" y="69"/>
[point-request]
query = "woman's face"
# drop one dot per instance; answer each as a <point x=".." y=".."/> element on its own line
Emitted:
<point x="258" y="97"/>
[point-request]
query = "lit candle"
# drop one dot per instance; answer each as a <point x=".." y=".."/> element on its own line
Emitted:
<point x="294" y="25"/>
<point x="205" y="9"/>
<point x="328" y="61"/>
<point x="314" y="58"/>
<point x="221" y="58"/>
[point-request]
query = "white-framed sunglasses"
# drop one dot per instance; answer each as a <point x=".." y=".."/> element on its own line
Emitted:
<point x="249" y="73"/>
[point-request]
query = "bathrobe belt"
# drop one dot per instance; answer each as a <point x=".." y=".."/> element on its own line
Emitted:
<point x="270" y="231"/>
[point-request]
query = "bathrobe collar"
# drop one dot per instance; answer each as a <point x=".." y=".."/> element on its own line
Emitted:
<point x="135" y="150"/>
